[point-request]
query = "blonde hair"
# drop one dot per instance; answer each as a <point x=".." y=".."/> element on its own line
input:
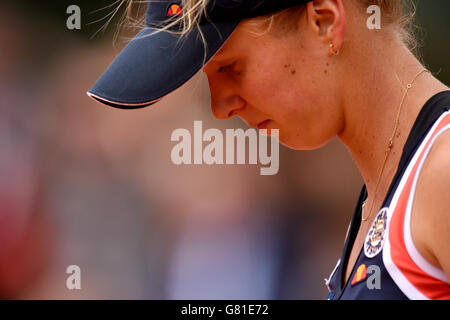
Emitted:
<point x="398" y="13"/>
<point x="193" y="12"/>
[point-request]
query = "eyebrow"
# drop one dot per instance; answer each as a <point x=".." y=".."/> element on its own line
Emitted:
<point x="222" y="51"/>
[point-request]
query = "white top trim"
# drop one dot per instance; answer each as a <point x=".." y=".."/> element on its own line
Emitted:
<point x="402" y="282"/>
<point x="416" y="256"/>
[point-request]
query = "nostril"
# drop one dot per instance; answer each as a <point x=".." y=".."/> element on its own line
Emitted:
<point x="226" y="108"/>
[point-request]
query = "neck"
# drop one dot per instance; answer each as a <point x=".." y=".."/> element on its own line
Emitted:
<point x="371" y="112"/>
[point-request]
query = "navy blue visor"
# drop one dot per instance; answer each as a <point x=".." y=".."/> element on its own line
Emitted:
<point x="156" y="63"/>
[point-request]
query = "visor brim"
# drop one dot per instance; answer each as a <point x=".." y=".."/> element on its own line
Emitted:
<point x="154" y="64"/>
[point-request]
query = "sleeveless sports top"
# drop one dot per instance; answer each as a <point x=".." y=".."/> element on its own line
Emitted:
<point x="389" y="266"/>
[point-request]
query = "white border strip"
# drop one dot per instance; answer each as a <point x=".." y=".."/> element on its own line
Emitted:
<point x="402" y="282"/>
<point x="97" y="98"/>
<point x="416" y="256"/>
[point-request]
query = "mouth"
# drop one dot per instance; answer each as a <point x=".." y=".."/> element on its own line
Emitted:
<point x="264" y="124"/>
<point x="260" y="125"/>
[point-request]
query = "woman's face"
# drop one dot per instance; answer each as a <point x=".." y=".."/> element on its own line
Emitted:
<point x="285" y="82"/>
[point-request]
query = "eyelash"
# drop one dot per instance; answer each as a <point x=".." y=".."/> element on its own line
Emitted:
<point x="226" y="68"/>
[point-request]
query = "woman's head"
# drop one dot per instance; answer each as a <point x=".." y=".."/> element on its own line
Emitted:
<point x="278" y="70"/>
<point x="279" y="67"/>
<point x="272" y="70"/>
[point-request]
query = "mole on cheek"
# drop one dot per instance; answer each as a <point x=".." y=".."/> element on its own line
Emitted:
<point x="288" y="65"/>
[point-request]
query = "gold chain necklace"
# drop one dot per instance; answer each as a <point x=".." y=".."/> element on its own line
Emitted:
<point x="390" y="145"/>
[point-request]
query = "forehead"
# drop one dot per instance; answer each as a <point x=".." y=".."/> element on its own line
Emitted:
<point x="248" y="34"/>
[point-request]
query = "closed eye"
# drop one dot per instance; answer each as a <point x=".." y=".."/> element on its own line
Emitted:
<point x="226" y="68"/>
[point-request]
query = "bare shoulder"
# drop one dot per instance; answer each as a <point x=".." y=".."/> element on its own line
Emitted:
<point x="430" y="223"/>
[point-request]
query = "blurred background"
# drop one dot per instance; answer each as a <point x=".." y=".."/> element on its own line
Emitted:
<point x="83" y="184"/>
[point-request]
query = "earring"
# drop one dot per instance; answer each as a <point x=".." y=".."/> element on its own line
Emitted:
<point x="334" y="53"/>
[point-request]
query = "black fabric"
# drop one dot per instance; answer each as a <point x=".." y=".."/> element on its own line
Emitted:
<point x="430" y="112"/>
<point x="220" y="10"/>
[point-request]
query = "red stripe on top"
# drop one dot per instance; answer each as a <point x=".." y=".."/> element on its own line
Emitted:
<point x="429" y="286"/>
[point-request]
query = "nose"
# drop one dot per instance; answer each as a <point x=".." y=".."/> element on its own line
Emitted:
<point x="226" y="107"/>
<point x="225" y="101"/>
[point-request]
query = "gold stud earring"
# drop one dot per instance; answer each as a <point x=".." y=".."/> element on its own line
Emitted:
<point x="334" y="53"/>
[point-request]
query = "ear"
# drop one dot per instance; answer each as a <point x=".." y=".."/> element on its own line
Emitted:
<point x="327" y="20"/>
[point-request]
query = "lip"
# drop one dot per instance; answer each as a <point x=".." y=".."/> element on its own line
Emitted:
<point x="264" y="124"/>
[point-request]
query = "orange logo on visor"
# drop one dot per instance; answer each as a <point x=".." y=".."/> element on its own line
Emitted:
<point x="174" y="9"/>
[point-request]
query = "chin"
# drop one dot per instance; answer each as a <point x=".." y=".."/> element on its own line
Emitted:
<point x="302" y="144"/>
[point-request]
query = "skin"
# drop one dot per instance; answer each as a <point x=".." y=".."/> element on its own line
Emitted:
<point x="313" y="96"/>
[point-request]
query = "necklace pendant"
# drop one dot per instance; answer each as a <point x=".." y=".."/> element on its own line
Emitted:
<point x="374" y="241"/>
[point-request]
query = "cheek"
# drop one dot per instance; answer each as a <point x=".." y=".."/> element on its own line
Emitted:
<point x="309" y="119"/>
<point x="269" y="91"/>
<point x="313" y="125"/>
<point x="299" y="99"/>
